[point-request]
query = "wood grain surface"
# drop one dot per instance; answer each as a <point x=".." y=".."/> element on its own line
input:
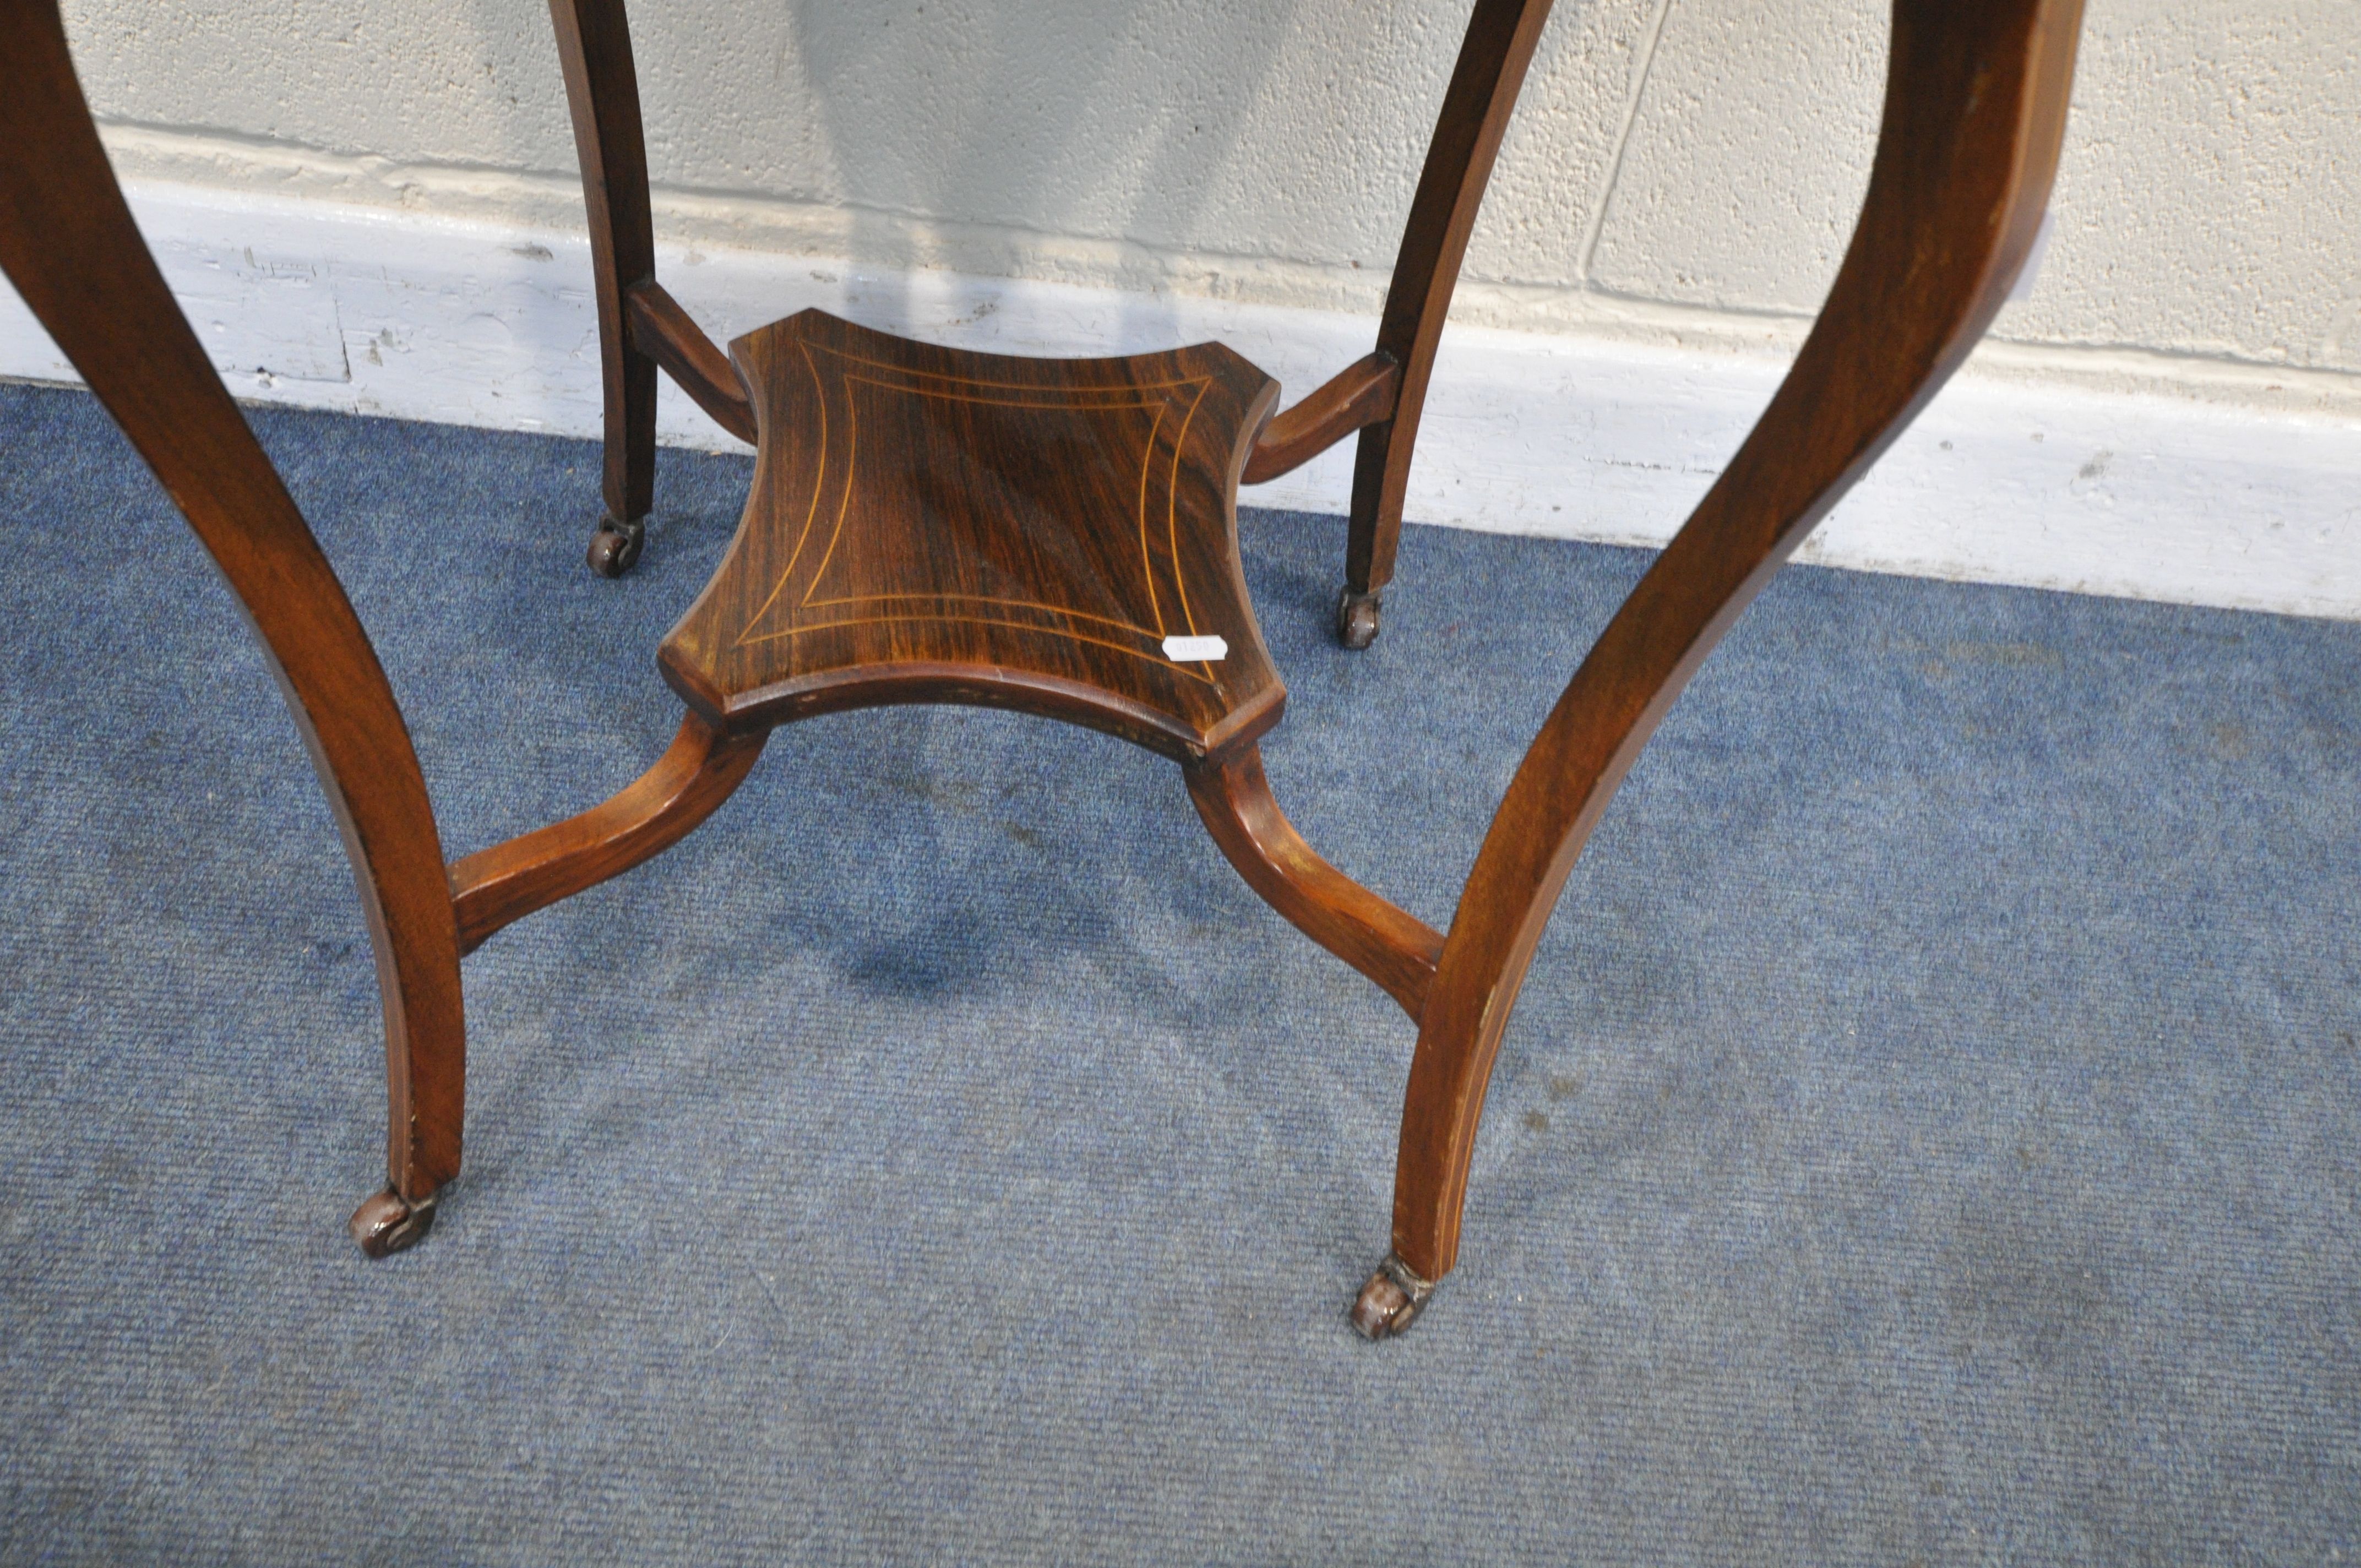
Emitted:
<point x="930" y="525"/>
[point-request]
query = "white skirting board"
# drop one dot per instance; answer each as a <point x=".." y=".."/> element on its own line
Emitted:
<point x="373" y="310"/>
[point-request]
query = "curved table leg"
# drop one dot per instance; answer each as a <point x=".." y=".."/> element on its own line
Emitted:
<point x="602" y="90"/>
<point x="1501" y="40"/>
<point x="1975" y="111"/>
<point x="68" y="244"/>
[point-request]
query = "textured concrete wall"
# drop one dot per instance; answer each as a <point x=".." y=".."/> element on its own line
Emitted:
<point x="1685" y="166"/>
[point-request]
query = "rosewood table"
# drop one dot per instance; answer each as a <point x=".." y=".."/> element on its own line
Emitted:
<point x="1058" y="536"/>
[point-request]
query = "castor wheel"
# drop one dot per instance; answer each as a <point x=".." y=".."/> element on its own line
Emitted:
<point x="1357" y="618"/>
<point x="1389" y="1303"/>
<point x="616" y="545"/>
<point x="385" y="1222"/>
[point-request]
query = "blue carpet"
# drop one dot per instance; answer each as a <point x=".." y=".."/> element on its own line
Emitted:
<point x="1930" y="1134"/>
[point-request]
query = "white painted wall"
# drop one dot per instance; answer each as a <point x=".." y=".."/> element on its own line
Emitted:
<point x="1701" y="155"/>
<point x="351" y="198"/>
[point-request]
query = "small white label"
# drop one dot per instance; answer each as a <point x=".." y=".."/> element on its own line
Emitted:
<point x="2022" y="288"/>
<point x="1189" y="650"/>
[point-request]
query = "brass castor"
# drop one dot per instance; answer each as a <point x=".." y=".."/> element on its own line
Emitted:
<point x="1357" y="618"/>
<point x="1389" y="1303"/>
<point x="385" y="1222"/>
<point x="616" y="545"/>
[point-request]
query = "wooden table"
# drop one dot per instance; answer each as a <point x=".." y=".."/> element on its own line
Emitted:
<point x="1052" y="535"/>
